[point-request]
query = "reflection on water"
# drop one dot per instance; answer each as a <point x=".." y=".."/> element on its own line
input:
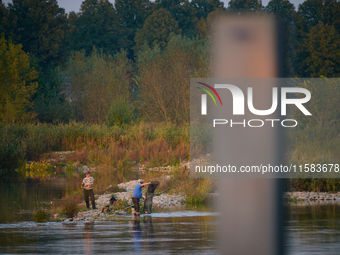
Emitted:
<point x="313" y="229"/>
<point x="143" y="238"/>
<point x="144" y="235"/>
<point x="88" y="237"/>
<point x="149" y="233"/>
<point x="137" y="235"/>
<point x="15" y="197"/>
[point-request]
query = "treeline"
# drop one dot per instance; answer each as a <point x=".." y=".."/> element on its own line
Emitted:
<point x="114" y="63"/>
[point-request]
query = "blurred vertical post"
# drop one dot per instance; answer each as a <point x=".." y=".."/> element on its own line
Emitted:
<point x="251" y="217"/>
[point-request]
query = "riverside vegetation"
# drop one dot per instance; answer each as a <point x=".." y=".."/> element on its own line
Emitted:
<point x="125" y="103"/>
<point x="112" y="153"/>
<point x="118" y="149"/>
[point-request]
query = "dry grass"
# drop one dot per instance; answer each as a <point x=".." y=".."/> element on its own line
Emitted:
<point x="108" y="147"/>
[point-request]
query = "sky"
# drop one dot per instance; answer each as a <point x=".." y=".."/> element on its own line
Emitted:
<point x="74" y="5"/>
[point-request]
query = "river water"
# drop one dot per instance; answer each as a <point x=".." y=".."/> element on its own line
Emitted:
<point x="147" y="235"/>
<point x="309" y="229"/>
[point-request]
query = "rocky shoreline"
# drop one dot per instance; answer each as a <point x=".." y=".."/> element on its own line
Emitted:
<point x="167" y="201"/>
<point x="164" y="201"/>
<point x="312" y="198"/>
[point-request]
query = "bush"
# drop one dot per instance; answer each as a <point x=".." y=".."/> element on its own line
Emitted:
<point x="111" y="147"/>
<point x="121" y="112"/>
<point x="70" y="169"/>
<point x="70" y="206"/>
<point x="40" y="216"/>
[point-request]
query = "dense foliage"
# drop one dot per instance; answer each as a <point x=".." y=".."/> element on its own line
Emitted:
<point x="145" y="51"/>
<point x="118" y="64"/>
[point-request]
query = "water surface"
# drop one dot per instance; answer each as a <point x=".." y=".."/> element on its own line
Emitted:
<point x="312" y="229"/>
<point x="145" y="235"/>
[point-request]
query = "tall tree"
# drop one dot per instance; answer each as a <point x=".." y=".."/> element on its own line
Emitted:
<point x="183" y="13"/>
<point x="131" y="17"/>
<point x="39" y="27"/>
<point x="321" y="53"/>
<point x="204" y="7"/>
<point x="286" y="12"/>
<point x="157" y="29"/>
<point x="50" y="102"/>
<point x="95" y="25"/>
<point x="3" y="18"/>
<point x="16" y="84"/>
<point x="284" y="9"/>
<point x="245" y="5"/>
<point x="94" y="82"/>
<point x="164" y="84"/>
<point x="311" y="12"/>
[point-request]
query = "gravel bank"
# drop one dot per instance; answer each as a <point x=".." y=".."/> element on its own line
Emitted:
<point x="161" y="201"/>
<point x="312" y="196"/>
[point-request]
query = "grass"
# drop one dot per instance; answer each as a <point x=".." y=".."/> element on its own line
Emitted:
<point x="116" y="147"/>
<point x="116" y="151"/>
<point x="315" y="147"/>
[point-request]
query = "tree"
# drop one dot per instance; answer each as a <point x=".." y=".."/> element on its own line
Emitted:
<point x="321" y="52"/>
<point x="245" y="5"/>
<point x="16" y="84"/>
<point x="202" y="28"/>
<point x="183" y="13"/>
<point x="131" y="17"/>
<point x="284" y="9"/>
<point x="164" y="93"/>
<point x="3" y="18"/>
<point x="324" y="107"/>
<point x="157" y="29"/>
<point x="204" y="7"/>
<point x="92" y="83"/>
<point x="312" y="12"/>
<point x="49" y="100"/>
<point x="95" y="25"/>
<point x="39" y="25"/>
<point x="286" y="12"/>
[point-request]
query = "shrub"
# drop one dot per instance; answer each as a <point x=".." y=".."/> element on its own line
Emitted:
<point x="70" y="169"/>
<point x="40" y="216"/>
<point x="70" y="205"/>
<point x="121" y="112"/>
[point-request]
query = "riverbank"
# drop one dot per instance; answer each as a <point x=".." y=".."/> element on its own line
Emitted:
<point x="161" y="202"/>
<point x="167" y="202"/>
<point x="312" y="196"/>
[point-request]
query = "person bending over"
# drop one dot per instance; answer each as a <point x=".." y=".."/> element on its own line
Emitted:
<point x="137" y="195"/>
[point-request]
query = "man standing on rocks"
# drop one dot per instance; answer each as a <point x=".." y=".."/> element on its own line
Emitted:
<point x="87" y="184"/>
<point x="137" y="195"/>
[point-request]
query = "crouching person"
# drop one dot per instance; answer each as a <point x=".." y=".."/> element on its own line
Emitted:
<point x="87" y="185"/>
<point x="137" y="195"/>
